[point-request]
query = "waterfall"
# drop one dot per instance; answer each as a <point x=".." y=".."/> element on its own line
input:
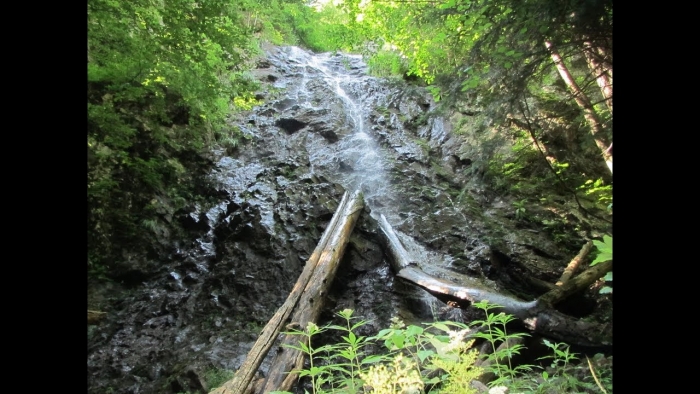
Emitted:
<point x="361" y="165"/>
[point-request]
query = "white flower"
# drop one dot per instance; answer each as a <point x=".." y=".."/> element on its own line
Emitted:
<point x="498" y="390"/>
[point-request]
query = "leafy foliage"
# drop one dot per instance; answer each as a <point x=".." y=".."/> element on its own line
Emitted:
<point x="162" y="78"/>
<point x="493" y="54"/>
<point x="496" y="333"/>
<point x="604" y="250"/>
<point x="604" y="254"/>
<point x="346" y="366"/>
<point x="435" y="358"/>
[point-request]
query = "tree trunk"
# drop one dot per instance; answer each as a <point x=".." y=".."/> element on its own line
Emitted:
<point x="537" y="316"/>
<point x="246" y="372"/>
<point x="311" y="303"/>
<point x="603" y="78"/>
<point x="585" y="103"/>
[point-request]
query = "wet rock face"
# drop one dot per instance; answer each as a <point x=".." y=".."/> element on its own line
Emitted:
<point x="325" y="128"/>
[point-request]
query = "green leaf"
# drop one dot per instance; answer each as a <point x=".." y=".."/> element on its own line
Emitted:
<point x="606" y="290"/>
<point x="346" y="313"/>
<point x="358" y="324"/>
<point x="470" y="84"/>
<point x="414" y="330"/>
<point x="351" y="338"/>
<point x="398" y="341"/>
<point x="441" y="327"/>
<point x="447" y="5"/>
<point x="608" y="277"/>
<point x="423" y="354"/>
<point x="372" y="359"/>
<point x="315" y="371"/>
<point x="604" y="250"/>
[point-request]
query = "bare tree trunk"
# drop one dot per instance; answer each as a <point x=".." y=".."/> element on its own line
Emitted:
<point x="605" y="58"/>
<point x="246" y="372"/>
<point x="585" y="103"/>
<point x="603" y="79"/>
<point x="311" y="302"/>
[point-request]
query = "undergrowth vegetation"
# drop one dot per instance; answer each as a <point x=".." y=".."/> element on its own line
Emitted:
<point x="161" y="82"/>
<point x="440" y="357"/>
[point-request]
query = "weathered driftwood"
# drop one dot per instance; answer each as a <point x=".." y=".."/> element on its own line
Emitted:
<point x="537" y="315"/>
<point x="246" y="372"/>
<point x="434" y="285"/>
<point x="574" y="263"/>
<point x="409" y="270"/>
<point x="311" y="303"/>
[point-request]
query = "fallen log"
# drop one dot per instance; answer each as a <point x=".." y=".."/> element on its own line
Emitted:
<point x="244" y="375"/>
<point x="574" y="263"/>
<point x="510" y="305"/>
<point x="580" y="282"/>
<point x="287" y="361"/>
<point x="410" y="271"/>
<point x="537" y="315"/>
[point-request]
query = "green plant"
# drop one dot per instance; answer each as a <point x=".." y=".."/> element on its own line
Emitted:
<point x="333" y="365"/>
<point x="345" y="367"/>
<point x="520" y="212"/>
<point x="557" y="229"/>
<point x="561" y="357"/>
<point x="387" y="64"/>
<point x="604" y="254"/>
<point x="496" y="333"/>
<point x="440" y="350"/>
<point x="565" y="377"/>
<point x="216" y="377"/>
<point x="598" y="190"/>
<point x="436" y="358"/>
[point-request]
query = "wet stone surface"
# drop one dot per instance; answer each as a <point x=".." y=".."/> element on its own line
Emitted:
<point x="326" y="127"/>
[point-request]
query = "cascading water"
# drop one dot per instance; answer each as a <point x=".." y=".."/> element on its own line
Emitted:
<point x="360" y="163"/>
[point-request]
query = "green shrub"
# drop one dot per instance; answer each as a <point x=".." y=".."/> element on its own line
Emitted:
<point x="436" y="358"/>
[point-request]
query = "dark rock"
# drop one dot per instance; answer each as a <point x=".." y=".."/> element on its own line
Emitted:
<point x="290" y="125"/>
